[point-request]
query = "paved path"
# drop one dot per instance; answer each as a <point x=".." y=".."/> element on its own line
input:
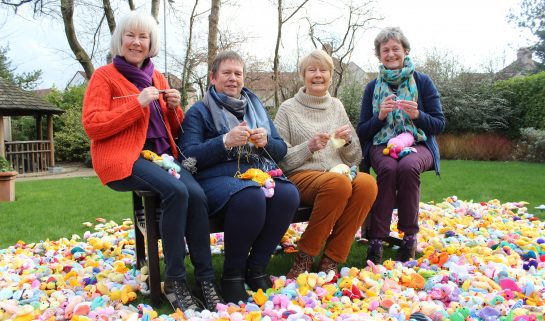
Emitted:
<point x="62" y="170"/>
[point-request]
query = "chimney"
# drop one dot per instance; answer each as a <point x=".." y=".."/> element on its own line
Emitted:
<point x="327" y="48"/>
<point x="524" y="55"/>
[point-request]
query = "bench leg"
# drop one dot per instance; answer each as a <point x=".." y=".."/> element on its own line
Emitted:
<point x="150" y="205"/>
<point x="138" y="236"/>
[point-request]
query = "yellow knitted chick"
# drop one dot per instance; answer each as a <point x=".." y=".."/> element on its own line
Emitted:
<point x="256" y="175"/>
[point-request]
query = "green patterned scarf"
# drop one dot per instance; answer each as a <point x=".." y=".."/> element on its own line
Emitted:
<point x="397" y="121"/>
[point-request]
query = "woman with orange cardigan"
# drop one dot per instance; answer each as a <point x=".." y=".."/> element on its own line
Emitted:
<point x="128" y="107"/>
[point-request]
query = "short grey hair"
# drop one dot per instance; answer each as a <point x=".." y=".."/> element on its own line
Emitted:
<point x="135" y="21"/>
<point x="391" y="33"/>
<point x="224" y="56"/>
<point x="318" y="55"/>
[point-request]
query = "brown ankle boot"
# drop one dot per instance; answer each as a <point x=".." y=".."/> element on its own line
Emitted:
<point x="327" y="264"/>
<point x="302" y="263"/>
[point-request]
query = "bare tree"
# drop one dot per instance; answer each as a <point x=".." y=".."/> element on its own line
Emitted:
<point x="105" y="11"/>
<point x="282" y="18"/>
<point x="213" y="21"/>
<point x="67" y="10"/>
<point x="357" y="17"/>
<point x="189" y="62"/>
<point x="155" y="4"/>
<point x="109" y="13"/>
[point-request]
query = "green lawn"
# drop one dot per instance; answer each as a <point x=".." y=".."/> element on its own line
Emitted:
<point x="55" y="208"/>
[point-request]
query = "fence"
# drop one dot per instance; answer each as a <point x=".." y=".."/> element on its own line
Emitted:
<point x="29" y="156"/>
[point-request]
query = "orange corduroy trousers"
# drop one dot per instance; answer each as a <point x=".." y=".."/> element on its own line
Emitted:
<point x="339" y="207"/>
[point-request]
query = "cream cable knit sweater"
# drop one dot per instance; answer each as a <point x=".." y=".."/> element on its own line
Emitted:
<point x="299" y="118"/>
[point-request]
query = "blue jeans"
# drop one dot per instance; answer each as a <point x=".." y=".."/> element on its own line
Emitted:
<point x="185" y="213"/>
<point x="254" y="225"/>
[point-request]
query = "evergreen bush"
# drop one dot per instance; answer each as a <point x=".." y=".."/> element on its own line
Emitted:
<point x="526" y="97"/>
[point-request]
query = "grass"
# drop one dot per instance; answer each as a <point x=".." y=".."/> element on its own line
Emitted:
<point x="52" y="209"/>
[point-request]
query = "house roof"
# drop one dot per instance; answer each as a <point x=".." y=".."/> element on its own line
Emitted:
<point x="523" y="66"/>
<point x="17" y="102"/>
<point x="263" y="80"/>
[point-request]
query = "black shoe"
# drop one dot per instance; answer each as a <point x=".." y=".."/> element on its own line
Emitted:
<point x="374" y="251"/>
<point x="208" y="292"/>
<point x="407" y="250"/>
<point x="256" y="278"/>
<point x="178" y="294"/>
<point x="233" y="288"/>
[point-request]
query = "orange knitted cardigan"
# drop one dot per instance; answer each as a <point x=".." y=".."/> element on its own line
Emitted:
<point x="117" y="127"/>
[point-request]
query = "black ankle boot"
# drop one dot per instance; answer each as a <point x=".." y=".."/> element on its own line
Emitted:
<point x="256" y="278"/>
<point x="209" y="293"/>
<point x="232" y="286"/>
<point x="178" y="295"/>
<point x="374" y="251"/>
<point x="407" y="250"/>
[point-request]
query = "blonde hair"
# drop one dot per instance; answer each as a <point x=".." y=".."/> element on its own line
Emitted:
<point x="318" y="55"/>
<point x="135" y="21"/>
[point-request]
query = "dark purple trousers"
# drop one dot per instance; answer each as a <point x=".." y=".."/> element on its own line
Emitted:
<point x="398" y="185"/>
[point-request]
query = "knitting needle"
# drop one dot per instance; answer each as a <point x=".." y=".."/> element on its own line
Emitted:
<point x="161" y="91"/>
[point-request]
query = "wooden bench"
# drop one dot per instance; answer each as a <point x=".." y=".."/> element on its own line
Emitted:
<point x="147" y="211"/>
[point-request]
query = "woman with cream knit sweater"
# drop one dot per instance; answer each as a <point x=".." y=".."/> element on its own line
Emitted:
<point x="319" y="136"/>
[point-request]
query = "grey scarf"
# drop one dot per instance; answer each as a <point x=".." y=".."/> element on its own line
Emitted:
<point x="227" y="112"/>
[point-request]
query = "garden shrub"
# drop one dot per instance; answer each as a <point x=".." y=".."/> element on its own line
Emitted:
<point x="526" y="96"/>
<point x="351" y="96"/>
<point x="531" y="146"/>
<point x="473" y="106"/>
<point x="71" y="142"/>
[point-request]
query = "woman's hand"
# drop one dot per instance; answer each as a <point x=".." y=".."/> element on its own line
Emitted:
<point x="237" y="136"/>
<point x="344" y="132"/>
<point x="319" y="141"/>
<point x="172" y="98"/>
<point x="259" y="137"/>
<point x="388" y="104"/>
<point x="410" y="107"/>
<point x="148" y="95"/>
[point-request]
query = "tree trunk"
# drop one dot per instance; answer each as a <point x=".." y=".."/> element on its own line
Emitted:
<point x="67" y="10"/>
<point x="213" y="21"/>
<point x="276" y="61"/>
<point x="131" y="5"/>
<point x="155" y="4"/>
<point x="109" y="13"/>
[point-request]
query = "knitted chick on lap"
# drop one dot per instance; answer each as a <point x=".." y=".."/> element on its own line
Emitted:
<point x="400" y="145"/>
<point x="165" y="161"/>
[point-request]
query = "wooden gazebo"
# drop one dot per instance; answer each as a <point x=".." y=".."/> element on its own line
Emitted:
<point x="33" y="155"/>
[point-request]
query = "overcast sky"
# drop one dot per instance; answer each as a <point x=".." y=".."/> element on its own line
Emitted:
<point x="475" y="31"/>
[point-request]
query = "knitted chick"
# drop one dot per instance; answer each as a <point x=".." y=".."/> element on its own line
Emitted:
<point x="165" y="161"/>
<point x="400" y="145"/>
<point x="263" y="179"/>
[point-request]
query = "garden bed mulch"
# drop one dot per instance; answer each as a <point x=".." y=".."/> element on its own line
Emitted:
<point x="479" y="261"/>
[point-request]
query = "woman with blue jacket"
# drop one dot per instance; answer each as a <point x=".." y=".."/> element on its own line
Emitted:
<point x="229" y="132"/>
<point x="400" y="100"/>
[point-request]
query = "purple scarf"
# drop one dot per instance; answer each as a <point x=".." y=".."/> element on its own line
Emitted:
<point x="142" y="78"/>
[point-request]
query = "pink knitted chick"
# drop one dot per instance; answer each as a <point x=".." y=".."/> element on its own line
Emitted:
<point x="400" y="145"/>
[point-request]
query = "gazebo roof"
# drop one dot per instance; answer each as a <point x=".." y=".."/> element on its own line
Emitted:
<point x="17" y="102"/>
